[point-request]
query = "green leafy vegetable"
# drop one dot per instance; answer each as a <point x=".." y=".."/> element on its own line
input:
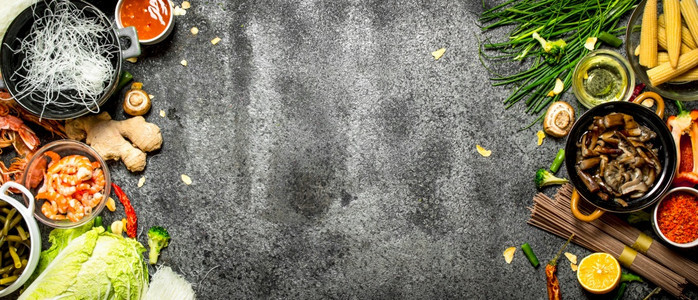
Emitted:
<point x="545" y="178"/>
<point x="570" y="21"/>
<point x="94" y="265"/>
<point x="158" y="238"/>
<point x="553" y="50"/>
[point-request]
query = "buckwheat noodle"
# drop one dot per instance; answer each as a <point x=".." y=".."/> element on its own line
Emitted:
<point x="67" y="58"/>
<point x="548" y="215"/>
<point x="629" y="236"/>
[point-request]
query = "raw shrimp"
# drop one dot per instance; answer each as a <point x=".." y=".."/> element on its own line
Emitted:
<point x="50" y="210"/>
<point x="74" y="184"/>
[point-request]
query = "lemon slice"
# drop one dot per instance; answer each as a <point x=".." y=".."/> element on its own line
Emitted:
<point x="599" y="273"/>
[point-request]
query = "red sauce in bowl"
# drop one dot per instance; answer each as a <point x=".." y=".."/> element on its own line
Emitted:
<point x="150" y="17"/>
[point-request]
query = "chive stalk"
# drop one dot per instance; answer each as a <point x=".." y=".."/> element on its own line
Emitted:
<point x="610" y="39"/>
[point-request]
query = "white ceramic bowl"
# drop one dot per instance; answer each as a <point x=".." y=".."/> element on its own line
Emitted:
<point x="34" y="234"/>
<point x="160" y="37"/>
<point x="655" y="225"/>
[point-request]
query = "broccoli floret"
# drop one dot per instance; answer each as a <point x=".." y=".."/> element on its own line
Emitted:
<point x="158" y="238"/>
<point x="544" y="178"/>
<point x="553" y="50"/>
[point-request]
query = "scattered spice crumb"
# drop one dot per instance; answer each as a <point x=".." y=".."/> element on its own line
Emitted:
<point x="194" y="30"/>
<point x="183" y="62"/>
<point x="571" y="257"/>
<point x="151" y="96"/>
<point x="215" y="40"/>
<point x="178" y="11"/>
<point x="438" y="53"/>
<point x="132" y="60"/>
<point x="541" y="136"/>
<point x="141" y="181"/>
<point x="186" y="179"/>
<point x="574" y="267"/>
<point x="509" y="254"/>
<point x="484" y="152"/>
<point x="162" y="113"/>
<point x="186" y="5"/>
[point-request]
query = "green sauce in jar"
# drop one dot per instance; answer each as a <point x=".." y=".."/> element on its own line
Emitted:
<point x="602" y="77"/>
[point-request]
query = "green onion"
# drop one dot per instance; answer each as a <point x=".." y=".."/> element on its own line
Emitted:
<point x="530" y="255"/>
<point x="557" y="162"/>
<point x="573" y="21"/>
<point x="610" y="39"/>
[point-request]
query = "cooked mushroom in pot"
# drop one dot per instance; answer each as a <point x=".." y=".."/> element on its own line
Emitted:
<point x="616" y="158"/>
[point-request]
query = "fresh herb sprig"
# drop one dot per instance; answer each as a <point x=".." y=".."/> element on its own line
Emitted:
<point x="573" y="21"/>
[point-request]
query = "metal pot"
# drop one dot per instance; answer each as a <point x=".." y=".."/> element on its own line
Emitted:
<point x="667" y="156"/>
<point x="10" y="62"/>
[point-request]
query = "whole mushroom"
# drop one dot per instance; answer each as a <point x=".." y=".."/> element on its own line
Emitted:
<point x="559" y="119"/>
<point x="136" y="100"/>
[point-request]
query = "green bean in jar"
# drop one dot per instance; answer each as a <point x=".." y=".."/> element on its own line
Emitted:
<point x="14" y="245"/>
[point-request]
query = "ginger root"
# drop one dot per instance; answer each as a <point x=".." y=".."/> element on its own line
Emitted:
<point x="108" y="137"/>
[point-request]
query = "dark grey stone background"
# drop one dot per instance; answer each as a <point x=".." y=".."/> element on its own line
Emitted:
<point x="333" y="157"/>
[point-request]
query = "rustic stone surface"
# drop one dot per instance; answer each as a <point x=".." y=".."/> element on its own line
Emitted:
<point x="332" y="157"/>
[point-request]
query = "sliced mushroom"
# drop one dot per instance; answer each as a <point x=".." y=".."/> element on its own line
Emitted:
<point x="559" y="119"/>
<point x="589" y="163"/>
<point x="613" y="119"/>
<point x="588" y="181"/>
<point x="636" y="185"/>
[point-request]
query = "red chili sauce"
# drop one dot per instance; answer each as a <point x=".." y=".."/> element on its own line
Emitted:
<point x="678" y="217"/>
<point x="150" y="17"/>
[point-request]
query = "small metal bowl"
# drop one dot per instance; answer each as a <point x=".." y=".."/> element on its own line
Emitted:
<point x="63" y="148"/>
<point x="11" y="63"/>
<point x="655" y="215"/>
<point x="678" y="91"/>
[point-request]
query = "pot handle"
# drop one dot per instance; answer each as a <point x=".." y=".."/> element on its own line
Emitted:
<point x="651" y="95"/>
<point x="135" y="49"/>
<point x="15" y="203"/>
<point x="574" y="206"/>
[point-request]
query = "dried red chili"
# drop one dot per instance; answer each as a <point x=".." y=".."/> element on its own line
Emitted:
<point x="131" y="219"/>
<point x="677" y="217"/>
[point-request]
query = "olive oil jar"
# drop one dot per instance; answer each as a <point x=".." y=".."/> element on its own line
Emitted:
<point x="602" y="76"/>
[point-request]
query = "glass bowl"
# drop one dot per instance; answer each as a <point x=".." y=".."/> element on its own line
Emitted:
<point x="602" y="62"/>
<point x="677" y="91"/>
<point x="655" y="213"/>
<point x="36" y="169"/>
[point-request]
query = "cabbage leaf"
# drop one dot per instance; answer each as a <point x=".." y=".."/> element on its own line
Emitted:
<point x="94" y="265"/>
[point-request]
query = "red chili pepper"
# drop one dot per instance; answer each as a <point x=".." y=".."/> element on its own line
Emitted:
<point x="552" y="282"/>
<point x="131" y="219"/>
<point x="636" y="91"/>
